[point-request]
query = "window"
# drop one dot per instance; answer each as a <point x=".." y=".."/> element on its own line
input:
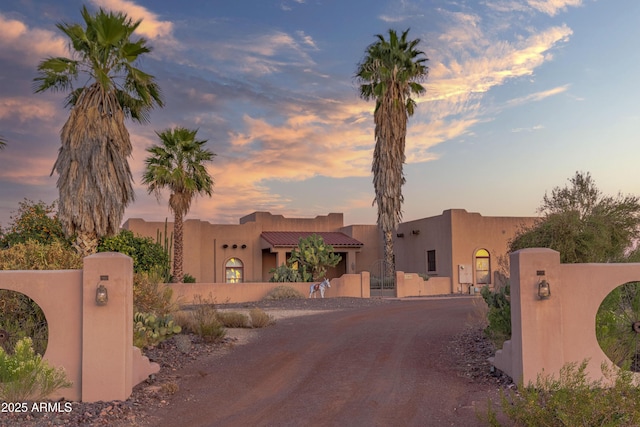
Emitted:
<point x="483" y="267"/>
<point x="234" y="271"/>
<point x="431" y="260"/>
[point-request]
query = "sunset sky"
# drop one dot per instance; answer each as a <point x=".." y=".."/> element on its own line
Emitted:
<point x="521" y="94"/>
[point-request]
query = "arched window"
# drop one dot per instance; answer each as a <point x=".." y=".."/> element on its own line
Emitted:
<point x="234" y="271"/>
<point x="483" y="267"/>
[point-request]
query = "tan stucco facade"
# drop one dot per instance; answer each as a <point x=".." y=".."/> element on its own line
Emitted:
<point x="453" y="237"/>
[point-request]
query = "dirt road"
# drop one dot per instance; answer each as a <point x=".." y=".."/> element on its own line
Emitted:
<point x="388" y="365"/>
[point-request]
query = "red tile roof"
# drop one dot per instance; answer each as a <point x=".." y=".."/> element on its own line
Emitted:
<point x="291" y="238"/>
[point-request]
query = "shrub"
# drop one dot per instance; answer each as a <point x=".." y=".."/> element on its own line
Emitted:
<point x="499" y="314"/>
<point x="283" y="292"/>
<point x="21" y="317"/>
<point x="25" y="376"/>
<point x="32" y="255"/>
<point x="147" y="255"/>
<point x="152" y="296"/>
<point x="150" y="330"/>
<point x="260" y="319"/>
<point x="573" y="400"/>
<point x="232" y="319"/>
<point x="187" y="278"/>
<point x="206" y="323"/>
<point x="37" y="222"/>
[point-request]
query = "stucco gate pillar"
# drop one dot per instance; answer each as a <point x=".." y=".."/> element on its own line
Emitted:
<point x="107" y="330"/>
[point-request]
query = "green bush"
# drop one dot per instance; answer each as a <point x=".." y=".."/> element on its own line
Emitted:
<point x="285" y="273"/>
<point x="150" y="330"/>
<point x="147" y="255"/>
<point x="283" y="292"/>
<point x="25" y="376"/>
<point x="232" y="319"/>
<point x="260" y="319"/>
<point x="37" y="222"/>
<point x="574" y="400"/>
<point x="187" y="278"/>
<point x="32" y="255"/>
<point x="499" y="314"/>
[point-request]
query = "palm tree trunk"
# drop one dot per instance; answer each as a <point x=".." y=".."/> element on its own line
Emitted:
<point x="86" y="243"/>
<point x="388" y="254"/>
<point x="178" y="274"/>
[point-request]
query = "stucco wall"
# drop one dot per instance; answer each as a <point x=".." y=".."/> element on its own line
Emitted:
<point x="94" y="344"/>
<point x="349" y="285"/>
<point x="549" y="333"/>
<point x="412" y="285"/>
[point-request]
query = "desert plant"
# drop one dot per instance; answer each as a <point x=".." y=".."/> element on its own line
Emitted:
<point x="152" y="296"/>
<point x="232" y="319"/>
<point x="34" y="221"/>
<point x="21" y="317"/>
<point x="574" y="400"/>
<point x="314" y="256"/>
<point x="260" y="319"/>
<point x="150" y="330"/>
<point x="206" y="323"/>
<point x="499" y="314"/>
<point x="283" y="292"/>
<point x="187" y="278"/>
<point x="32" y="255"/>
<point x="286" y="273"/>
<point x="25" y="376"/>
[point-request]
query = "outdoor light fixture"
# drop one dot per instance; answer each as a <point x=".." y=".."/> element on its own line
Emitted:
<point x="544" y="289"/>
<point x="102" y="296"/>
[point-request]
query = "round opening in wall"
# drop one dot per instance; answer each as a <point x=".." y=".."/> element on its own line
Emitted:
<point x="21" y="317"/>
<point x="618" y="326"/>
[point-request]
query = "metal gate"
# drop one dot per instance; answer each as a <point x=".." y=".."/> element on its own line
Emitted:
<point x="381" y="284"/>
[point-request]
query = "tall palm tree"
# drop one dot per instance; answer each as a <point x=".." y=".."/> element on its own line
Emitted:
<point x="178" y="164"/>
<point x="95" y="182"/>
<point x="390" y="73"/>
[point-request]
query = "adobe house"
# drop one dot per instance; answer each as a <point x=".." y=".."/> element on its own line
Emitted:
<point x="458" y="245"/>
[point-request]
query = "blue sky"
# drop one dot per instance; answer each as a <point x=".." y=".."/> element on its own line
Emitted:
<point x="521" y="95"/>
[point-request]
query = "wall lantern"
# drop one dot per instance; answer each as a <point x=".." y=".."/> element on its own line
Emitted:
<point x="415" y="232"/>
<point x="544" y="289"/>
<point x="102" y="296"/>
<point x="400" y="234"/>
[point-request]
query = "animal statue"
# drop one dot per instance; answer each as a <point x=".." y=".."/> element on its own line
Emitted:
<point x="319" y="287"/>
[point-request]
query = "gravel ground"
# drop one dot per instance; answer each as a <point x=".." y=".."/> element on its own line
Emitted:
<point x="471" y="350"/>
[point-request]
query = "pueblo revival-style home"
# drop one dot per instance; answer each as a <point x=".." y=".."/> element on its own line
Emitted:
<point x="459" y="245"/>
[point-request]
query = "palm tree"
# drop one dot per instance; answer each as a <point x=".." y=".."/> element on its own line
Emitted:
<point x="178" y="164"/>
<point x="390" y="73"/>
<point x="95" y="182"/>
<point x="3" y="142"/>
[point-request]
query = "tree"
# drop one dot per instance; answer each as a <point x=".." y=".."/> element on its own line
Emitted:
<point x="390" y="73"/>
<point x="178" y="164"/>
<point x="583" y="224"/>
<point x="95" y="182"/>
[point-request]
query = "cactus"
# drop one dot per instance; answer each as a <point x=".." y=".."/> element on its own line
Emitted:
<point x="150" y="330"/>
<point x="167" y="244"/>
